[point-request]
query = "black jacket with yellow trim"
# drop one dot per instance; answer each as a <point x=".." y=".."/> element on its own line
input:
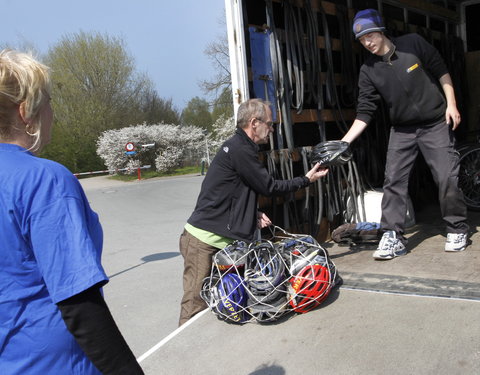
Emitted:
<point x="407" y="82"/>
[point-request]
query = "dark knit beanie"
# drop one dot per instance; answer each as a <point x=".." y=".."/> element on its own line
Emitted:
<point x="367" y="21"/>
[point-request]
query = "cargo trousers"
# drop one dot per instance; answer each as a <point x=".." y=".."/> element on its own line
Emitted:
<point x="437" y="144"/>
<point x="197" y="258"/>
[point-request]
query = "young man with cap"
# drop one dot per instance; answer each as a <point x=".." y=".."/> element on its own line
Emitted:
<point x="406" y="73"/>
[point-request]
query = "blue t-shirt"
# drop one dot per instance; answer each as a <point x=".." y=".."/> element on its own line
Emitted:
<point x="50" y="250"/>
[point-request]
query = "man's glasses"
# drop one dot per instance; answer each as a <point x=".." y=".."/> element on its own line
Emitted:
<point x="269" y="124"/>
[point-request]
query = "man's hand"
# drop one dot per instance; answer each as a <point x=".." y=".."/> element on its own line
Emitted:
<point x="263" y="220"/>
<point x="316" y="172"/>
<point x="452" y="116"/>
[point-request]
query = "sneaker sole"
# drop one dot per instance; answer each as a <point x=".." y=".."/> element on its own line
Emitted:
<point x="379" y="257"/>
<point x="388" y="257"/>
<point x="455" y="250"/>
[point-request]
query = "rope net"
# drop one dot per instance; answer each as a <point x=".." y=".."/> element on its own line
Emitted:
<point x="266" y="279"/>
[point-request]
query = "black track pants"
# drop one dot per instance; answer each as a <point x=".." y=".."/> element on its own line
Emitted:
<point x="436" y="143"/>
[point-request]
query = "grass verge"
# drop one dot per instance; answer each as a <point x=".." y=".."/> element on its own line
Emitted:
<point x="151" y="174"/>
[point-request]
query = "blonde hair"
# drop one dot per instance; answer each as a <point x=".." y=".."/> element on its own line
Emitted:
<point x="251" y="108"/>
<point x="23" y="81"/>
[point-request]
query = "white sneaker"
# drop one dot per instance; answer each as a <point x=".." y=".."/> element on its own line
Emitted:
<point x="389" y="247"/>
<point x="456" y="242"/>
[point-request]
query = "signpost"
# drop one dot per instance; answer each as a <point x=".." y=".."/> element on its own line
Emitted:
<point x="130" y="148"/>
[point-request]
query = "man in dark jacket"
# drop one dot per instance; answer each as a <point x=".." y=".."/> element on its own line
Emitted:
<point x="226" y="208"/>
<point x="406" y="73"/>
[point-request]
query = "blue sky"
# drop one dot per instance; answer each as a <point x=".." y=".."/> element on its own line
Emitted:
<point x="165" y="37"/>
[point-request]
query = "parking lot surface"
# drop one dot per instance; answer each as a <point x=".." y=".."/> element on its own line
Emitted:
<point x="416" y="314"/>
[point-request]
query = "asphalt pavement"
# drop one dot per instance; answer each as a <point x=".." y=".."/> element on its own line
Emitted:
<point x="417" y="314"/>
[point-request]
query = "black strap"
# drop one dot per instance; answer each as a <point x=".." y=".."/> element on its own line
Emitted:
<point x="281" y="83"/>
<point x="348" y="89"/>
<point x="331" y="87"/>
<point x="294" y="56"/>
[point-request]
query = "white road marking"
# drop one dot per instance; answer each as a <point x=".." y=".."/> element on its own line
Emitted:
<point x="149" y="352"/>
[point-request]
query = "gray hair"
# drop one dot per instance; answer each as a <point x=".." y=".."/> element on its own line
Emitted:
<point x="251" y="108"/>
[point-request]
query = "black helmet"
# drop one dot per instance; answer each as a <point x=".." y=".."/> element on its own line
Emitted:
<point x="264" y="272"/>
<point x="268" y="311"/>
<point x="231" y="257"/>
<point x="331" y="153"/>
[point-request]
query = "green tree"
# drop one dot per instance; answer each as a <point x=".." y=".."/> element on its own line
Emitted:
<point x="197" y="113"/>
<point x="158" y="110"/>
<point x="95" y="88"/>
<point x="223" y="105"/>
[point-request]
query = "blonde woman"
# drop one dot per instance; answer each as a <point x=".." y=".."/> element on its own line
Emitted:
<point x="53" y="318"/>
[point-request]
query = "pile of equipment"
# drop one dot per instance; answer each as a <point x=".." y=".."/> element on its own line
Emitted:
<point x="264" y="280"/>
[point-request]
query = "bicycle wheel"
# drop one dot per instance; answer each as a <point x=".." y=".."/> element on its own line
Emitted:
<point x="469" y="176"/>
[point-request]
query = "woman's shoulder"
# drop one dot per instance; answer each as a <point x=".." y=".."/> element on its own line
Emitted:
<point x="51" y="168"/>
<point x="54" y="177"/>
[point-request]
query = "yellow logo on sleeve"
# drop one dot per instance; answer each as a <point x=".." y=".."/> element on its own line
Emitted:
<point x="413" y="67"/>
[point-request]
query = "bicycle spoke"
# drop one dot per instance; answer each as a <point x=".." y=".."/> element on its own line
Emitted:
<point x="469" y="176"/>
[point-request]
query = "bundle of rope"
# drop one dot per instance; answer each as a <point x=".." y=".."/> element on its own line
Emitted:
<point x="294" y="55"/>
<point x="281" y="83"/>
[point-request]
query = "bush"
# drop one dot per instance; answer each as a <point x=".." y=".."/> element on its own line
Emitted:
<point x="223" y="129"/>
<point x="173" y="143"/>
<point x="175" y="146"/>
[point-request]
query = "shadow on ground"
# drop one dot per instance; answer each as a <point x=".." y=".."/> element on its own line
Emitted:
<point x="148" y="259"/>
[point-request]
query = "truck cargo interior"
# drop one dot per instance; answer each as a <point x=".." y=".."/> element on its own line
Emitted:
<point x="301" y="56"/>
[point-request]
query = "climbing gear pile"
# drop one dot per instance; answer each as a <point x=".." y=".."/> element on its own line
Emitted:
<point x="269" y="279"/>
